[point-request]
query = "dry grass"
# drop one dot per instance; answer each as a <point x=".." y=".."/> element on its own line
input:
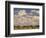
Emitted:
<point x="26" y="27"/>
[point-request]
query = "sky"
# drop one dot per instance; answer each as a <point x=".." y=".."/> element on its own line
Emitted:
<point x="28" y="11"/>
